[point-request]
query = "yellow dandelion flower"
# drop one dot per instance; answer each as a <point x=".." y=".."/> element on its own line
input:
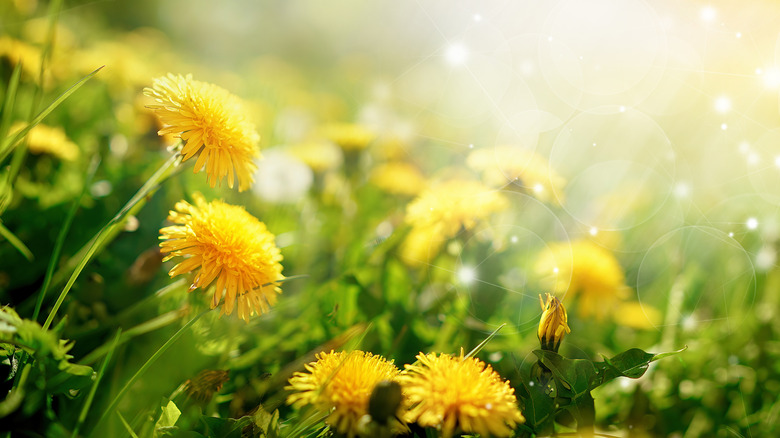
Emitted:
<point x="586" y="271"/>
<point x="398" y="178"/>
<point x="523" y="167"/>
<point x="20" y="52"/>
<point x="223" y="242"/>
<point x="454" y="205"/>
<point x="213" y="125"/>
<point x="637" y="315"/>
<point x="420" y="246"/>
<point x="50" y="140"/>
<point x="320" y="156"/>
<point x="350" y="136"/>
<point x="454" y="393"/>
<point x="341" y="384"/>
<point x="553" y="325"/>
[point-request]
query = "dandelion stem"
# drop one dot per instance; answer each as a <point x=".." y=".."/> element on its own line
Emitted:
<point x="149" y="186"/>
<point x="91" y="395"/>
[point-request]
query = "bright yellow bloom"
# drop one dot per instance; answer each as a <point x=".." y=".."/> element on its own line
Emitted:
<point x="523" y="167"/>
<point x="398" y="178"/>
<point x="212" y="123"/>
<point x="341" y="383"/>
<point x="223" y="242"/>
<point x="459" y="393"/>
<point x="44" y="139"/>
<point x="637" y="315"/>
<point x="350" y="136"/>
<point x="454" y="205"/>
<point x="19" y="52"/>
<point x="587" y="271"/>
<point x="553" y="325"/>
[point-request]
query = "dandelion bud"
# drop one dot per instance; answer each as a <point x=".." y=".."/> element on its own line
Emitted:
<point x="553" y="325"/>
<point x="384" y="402"/>
<point x="203" y="386"/>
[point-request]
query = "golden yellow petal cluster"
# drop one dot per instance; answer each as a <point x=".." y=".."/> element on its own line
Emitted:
<point x="442" y="211"/>
<point x="553" y="325"/>
<point x="213" y="125"/>
<point x="458" y="393"/>
<point x="350" y="136"/>
<point x="341" y="384"/>
<point x="319" y="155"/>
<point x="223" y="242"/>
<point x="586" y="271"/>
<point x="520" y="166"/>
<point x="398" y="178"/>
<point x="43" y="139"/>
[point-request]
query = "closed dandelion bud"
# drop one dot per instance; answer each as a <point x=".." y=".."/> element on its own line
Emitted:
<point x="553" y="325"/>
<point x="203" y="386"/>
<point x="385" y="401"/>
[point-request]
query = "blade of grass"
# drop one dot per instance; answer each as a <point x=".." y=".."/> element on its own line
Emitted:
<point x="55" y="255"/>
<point x="16" y="242"/>
<point x="9" y="102"/>
<point x="127" y="426"/>
<point x="146" y="190"/>
<point x="145" y="367"/>
<point x="482" y="344"/>
<point x="8" y="143"/>
<point x="91" y="395"/>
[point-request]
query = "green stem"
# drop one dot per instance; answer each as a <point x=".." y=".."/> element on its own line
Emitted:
<point x="145" y="367"/>
<point x="149" y="186"/>
<point x="91" y="395"/>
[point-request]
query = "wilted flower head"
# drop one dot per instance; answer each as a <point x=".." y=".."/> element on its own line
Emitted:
<point x="341" y="384"/>
<point x="203" y="386"/>
<point x="42" y="139"/>
<point x="520" y="166"/>
<point x="586" y="271"/>
<point x="451" y="392"/>
<point x="553" y="325"/>
<point x="350" y="136"/>
<point x="213" y="125"/>
<point x="223" y="242"/>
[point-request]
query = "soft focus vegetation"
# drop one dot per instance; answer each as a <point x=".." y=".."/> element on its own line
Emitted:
<point x="288" y="219"/>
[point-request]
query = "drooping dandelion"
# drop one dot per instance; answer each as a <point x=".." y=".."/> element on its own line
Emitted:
<point x="224" y="243"/>
<point x="459" y="393"/>
<point x="212" y="124"/>
<point x="341" y="384"/>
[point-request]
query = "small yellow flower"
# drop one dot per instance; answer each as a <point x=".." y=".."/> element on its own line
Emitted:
<point x="553" y="325"/>
<point x="341" y="383"/>
<point x="213" y="125"/>
<point x="459" y="393"/>
<point x="350" y="136"/>
<point x="320" y="156"/>
<point x="398" y="178"/>
<point x="19" y="52"/>
<point x="223" y="242"/>
<point x="523" y="167"/>
<point x="637" y="315"/>
<point x="44" y="139"/>
<point x="586" y="271"/>
<point x="454" y="205"/>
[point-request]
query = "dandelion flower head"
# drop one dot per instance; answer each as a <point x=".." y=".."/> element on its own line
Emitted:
<point x="341" y="383"/>
<point x="350" y="136"/>
<point x="521" y="166"/>
<point x="212" y="124"/>
<point x="454" y="205"/>
<point x="320" y="156"/>
<point x="43" y="139"/>
<point x="454" y="392"/>
<point x="398" y="178"/>
<point x="223" y="242"/>
<point x="587" y="271"/>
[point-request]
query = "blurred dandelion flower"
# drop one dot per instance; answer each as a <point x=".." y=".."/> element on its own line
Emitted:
<point x="341" y="384"/>
<point x="398" y="178"/>
<point x="282" y="178"/>
<point x="19" y="52"/>
<point x="637" y="315"/>
<point x="320" y="156"/>
<point x="212" y="123"/>
<point x="553" y="325"/>
<point x="203" y="386"/>
<point x="586" y="271"/>
<point x="50" y="140"/>
<point x="223" y="242"/>
<point x="454" y="205"/>
<point x="350" y="136"/>
<point x="520" y="166"/>
<point x="458" y="392"/>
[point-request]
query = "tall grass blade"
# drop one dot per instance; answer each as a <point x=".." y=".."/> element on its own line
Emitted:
<point x="15" y="242"/>
<point x="91" y="395"/>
